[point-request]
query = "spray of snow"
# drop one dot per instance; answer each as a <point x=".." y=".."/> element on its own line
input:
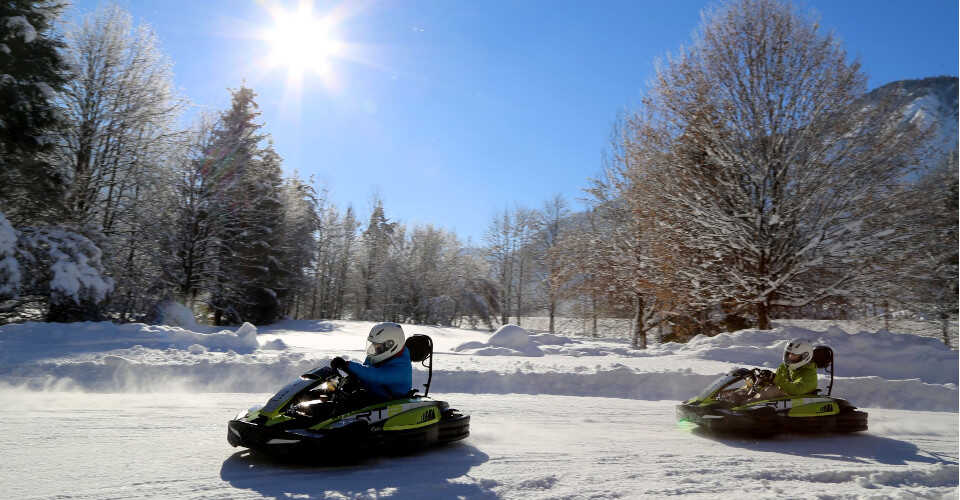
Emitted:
<point x="176" y="314"/>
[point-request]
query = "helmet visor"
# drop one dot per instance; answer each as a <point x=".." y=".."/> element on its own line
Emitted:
<point x="374" y="348"/>
<point x="790" y="357"/>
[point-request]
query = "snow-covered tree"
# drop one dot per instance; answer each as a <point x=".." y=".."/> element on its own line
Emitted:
<point x="621" y="249"/>
<point x="300" y="224"/>
<point x="919" y="270"/>
<point x="120" y="109"/>
<point x="500" y="255"/>
<point x="375" y="274"/>
<point x="767" y="164"/>
<point x="188" y="245"/>
<point x="32" y="71"/>
<point x="10" y="276"/>
<point x="61" y="268"/>
<point x="247" y="274"/>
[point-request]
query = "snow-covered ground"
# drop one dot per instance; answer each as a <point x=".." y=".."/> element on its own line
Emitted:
<point x="95" y="410"/>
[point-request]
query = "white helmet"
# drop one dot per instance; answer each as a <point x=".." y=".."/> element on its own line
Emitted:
<point x="797" y="353"/>
<point x="385" y="340"/>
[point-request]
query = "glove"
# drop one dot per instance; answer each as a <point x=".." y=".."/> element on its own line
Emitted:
<point x="338" y="363"/>
<point x="739" y="372"/>
<point x="765" y="376"/>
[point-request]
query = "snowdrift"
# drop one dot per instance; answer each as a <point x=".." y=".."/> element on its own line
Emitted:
<point x="873" y="369"/>
<point x="513" y="340"/>
<point x="33" y="340"/>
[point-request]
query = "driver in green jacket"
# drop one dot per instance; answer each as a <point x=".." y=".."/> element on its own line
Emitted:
<point x="797" y="375"/>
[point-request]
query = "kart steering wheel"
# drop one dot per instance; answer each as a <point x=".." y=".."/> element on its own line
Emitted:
<point x="761" y="377"/>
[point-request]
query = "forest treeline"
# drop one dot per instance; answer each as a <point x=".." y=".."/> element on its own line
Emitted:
<point x="757" y="179"/>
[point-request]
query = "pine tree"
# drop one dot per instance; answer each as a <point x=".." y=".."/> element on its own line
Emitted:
<point x="377" y="238"/>
<point x="32" y="71"/>
<point x="247" y="279"/>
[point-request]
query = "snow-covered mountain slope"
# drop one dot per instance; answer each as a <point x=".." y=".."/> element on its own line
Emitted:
<point x="929" y="102"/>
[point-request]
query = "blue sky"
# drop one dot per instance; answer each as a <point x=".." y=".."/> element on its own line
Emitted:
<point x="452" y="110"/>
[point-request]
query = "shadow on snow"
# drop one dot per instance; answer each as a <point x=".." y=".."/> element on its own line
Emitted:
<point x="423" y="475"/>
<point x="857" y="448"/>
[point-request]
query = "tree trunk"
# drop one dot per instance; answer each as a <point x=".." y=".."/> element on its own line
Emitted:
<point x="886" y="315"/>
<point x="639" y="334"/>
<point x="763" y="315"/>
<point x="593" y="312"/>
<point x="945" y="327"/>
<point x="553" y="309"/>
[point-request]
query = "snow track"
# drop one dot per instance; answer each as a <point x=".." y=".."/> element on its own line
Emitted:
<point x="82" y="445"/>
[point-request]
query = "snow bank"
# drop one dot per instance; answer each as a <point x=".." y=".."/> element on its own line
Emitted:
<point x="511" y="336"/>
<point x="883" y="354"/>
<point x="881" y="370"/>
<point x="513" y="340"/>
<point x="33" y="340"/>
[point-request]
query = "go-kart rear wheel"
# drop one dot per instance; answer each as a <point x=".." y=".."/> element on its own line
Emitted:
<point x="851" y="421"/>
<point x="454" y="426"/>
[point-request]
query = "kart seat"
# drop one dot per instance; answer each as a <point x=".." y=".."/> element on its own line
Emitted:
<point x="421" y="351"/>
<point x="823" y="358"/>
<point x="420" y="347"/>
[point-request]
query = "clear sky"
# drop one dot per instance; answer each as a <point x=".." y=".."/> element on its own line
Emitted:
<point x="452" y="110"/>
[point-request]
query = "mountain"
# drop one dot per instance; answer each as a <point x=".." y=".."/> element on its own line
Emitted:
<point x="931" y="101"/>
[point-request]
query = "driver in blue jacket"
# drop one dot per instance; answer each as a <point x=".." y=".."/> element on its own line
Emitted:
<point x="386" y="372"/>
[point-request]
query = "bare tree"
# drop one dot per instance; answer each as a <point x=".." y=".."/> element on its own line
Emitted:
<point x="621" y="247"/>
<point x="120" y="107"/>
<point x="500" y="250"/>
<point x="552" y="220"/>
<point x="771" y="163"/>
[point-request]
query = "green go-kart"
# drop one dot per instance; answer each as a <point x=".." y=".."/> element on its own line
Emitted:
<point x="323" y="414"/>
<point x="728" y="405"/>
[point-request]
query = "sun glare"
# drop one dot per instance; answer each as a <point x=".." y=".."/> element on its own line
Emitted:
<point x="302" y="43"/>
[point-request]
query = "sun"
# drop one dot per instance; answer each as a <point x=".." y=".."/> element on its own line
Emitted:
<point x="301" y="42"/>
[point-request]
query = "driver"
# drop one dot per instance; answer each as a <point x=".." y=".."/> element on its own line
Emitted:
<point x="797" y="375"/>
<point x="386" y="372"/>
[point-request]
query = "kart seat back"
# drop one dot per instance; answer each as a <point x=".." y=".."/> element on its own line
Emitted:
<point x="421" y="351"/>
<point x="823" y="358"/>
<point x="420" y="347"/>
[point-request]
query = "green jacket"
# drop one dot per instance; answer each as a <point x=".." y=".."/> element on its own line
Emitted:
<point x="803" y="380"/>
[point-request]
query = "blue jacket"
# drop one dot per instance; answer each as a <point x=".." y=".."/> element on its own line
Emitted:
<point x="391" y="379"/>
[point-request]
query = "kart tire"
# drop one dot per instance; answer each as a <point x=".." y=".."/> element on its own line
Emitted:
<point x="852" y="421"/>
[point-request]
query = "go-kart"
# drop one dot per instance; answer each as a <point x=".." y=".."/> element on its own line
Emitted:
<point x="324" y="413"/>
<point x="730" y="404"/>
